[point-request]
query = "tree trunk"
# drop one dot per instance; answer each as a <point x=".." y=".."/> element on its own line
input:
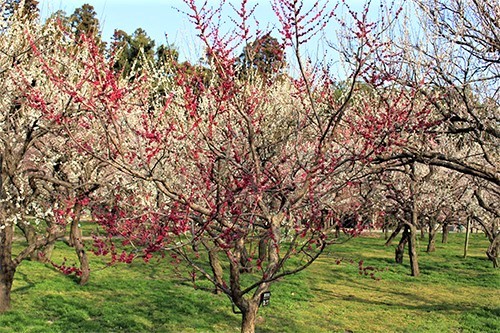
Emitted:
<point x="444" y="239"/>
<point x="467" y="236"/>
<point x="400" y="249"/>
<point x="249" y="315"/>
<point x="43" y="254"/>
<point x="431" y="245"/>
<point x="412" y="251"/>
<point x="412" y="242"/>
<point x="75" y="240"/>
<point x="6" y="279"/>
<point x="394" y="234"/>
<point x="245" y="261"/>
<point x="30" y="235"/>
<point x="263" y="247"/>
<point x="493" y="250"/>
<point x="249" y="308"/>
<point x="422" y="232"/>
<point x="213" y="258"/>
<point x="7" y="266"/>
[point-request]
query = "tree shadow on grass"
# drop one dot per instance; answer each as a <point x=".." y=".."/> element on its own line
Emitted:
<point x="25" y="278"/>
<point x="411" y="300"/>
<point x="167" y="310"/>
<point x="472" y="318"/>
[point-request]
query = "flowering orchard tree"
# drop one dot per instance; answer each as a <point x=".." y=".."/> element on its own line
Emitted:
<point x="232" y="166"/>
<point x="483" y="209"/>
<point x="44" y="179"/>
<point x="406" y="194"/>
<point x="421" y="196"/>
<point x="22" y="133"/>
<point x="440" y="202"/>
<point x="454" y="50"/>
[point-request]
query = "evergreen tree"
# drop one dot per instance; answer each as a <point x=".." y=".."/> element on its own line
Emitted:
<point x="133" y="50"/>
<point x="60" y="16"/>
<point x="265" y="56"/>
<point x="29" y="8"/>
<point x="166" y="55"/>
<point x="84" y="21"/>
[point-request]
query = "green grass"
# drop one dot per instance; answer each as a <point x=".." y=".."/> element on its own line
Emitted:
<point x="451" y="295"/>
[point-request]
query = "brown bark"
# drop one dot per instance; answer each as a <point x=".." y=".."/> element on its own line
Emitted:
<point x="394" y="234"/>
<point x="75" y="240"/>
<point x="249" y="315"/>
<point x="6" y="278"/>
<point x="45" y="254"/>
<point x="337" y="230"/>
<point x="30" y="235"/>
<point x="412" y="251"/>
<point x="444" y="238"/>
<point x="467" y="236"/>
<point x="250" y="307"/>
<point x="412" y="241"/>
<point x="217" y="271"/>
<point x="245" y="261"/>
<point x="263" y="247"/>
<point x="449" y="162"/>
<point x="491" y="230"/>
<point x="494" y="250"/>
<point x="400" y="249"/>
<point x="493" y="235"/>
<point x="42" y="254"/>
<point x="7" y="266"/>
<point x="431" y="244"/>
<point x="234" y="274"/>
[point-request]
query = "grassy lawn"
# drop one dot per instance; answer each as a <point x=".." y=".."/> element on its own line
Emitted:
<point x="451" y="295"/>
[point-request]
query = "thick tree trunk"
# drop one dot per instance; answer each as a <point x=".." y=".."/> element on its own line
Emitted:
<point x="6" y="279"/>
<point x="249" y="315"/>
<point x="217" y="271"/>
<point x="412" y="251"/>
<point x="494" y="250"/>
<point x="400" y="249"/>
<point x="431" y="245"/>
<point x="250" y="307"/>
<point x="263" y="247"/>
<point x="75" y="239"/>
<point x="444" y="238"/>
<point x="245" y="261"/>
<point x="7" y="266"/>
